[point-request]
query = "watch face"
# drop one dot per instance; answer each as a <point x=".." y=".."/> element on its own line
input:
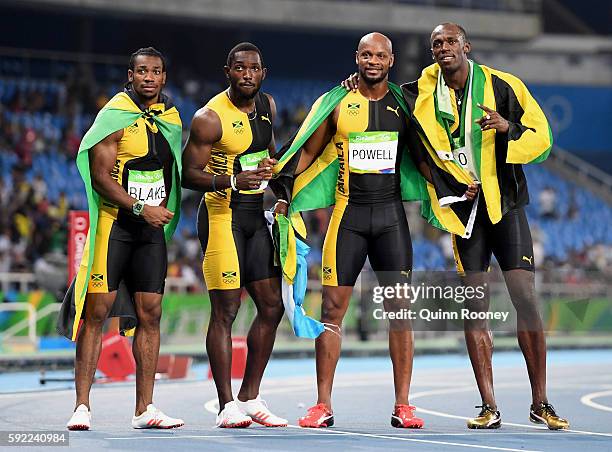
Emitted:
<point x="137" y="208"/>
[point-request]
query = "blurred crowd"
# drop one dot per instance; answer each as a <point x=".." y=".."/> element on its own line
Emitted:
<point x="37" y="128"/>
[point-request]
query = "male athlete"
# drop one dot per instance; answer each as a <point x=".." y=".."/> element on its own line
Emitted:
<point x="518" y="125"/>
<point x="447" y="99"/>
<point x="368" y="220"/>
<point x="229" y="137"/>
<point x="129" y="161"/>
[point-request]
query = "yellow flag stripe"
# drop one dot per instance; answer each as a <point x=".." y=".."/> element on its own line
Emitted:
<point x="531" y="144"/>
<point x="445" y="215"/>
<point x="488" y="162"/>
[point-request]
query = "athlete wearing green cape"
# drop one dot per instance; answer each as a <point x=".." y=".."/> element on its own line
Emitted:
<point x="354" y="151"/>
<point x="130" y="163"/>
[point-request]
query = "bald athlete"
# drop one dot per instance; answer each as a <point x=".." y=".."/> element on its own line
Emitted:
<point x="368" y="220"/>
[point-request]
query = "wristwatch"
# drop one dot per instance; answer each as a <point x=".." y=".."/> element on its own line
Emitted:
<point x="138" y="207"/>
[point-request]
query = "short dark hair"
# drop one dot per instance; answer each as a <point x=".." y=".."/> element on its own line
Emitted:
<point x="147" y="51"/>
<point x="462" y="31"/>
<point x="243" y="47"/>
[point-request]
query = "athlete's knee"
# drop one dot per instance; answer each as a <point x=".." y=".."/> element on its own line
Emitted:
<point x="333" y="307"/>
<point x="268" y="299"/>
<point x="475" y="325"/>
<point x="272" y="313"/>
<point x="96" y="312"/>
<point x="150" y="316"/>
<point x="224" y="314"/>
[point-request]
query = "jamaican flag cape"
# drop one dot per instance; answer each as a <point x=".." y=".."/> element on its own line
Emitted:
<point x="315" y="187"/>
<point x="497" y="158"/>
<point x="120" y="112"/>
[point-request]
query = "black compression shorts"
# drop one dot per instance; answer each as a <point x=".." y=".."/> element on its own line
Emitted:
<point x="378" y="231"/>
<point x="133" y="251"/>
<point x="509" y="240"/>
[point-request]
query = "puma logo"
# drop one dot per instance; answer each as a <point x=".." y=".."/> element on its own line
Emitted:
<point x="405" y="273"/>
<point x="528" y="259"/>
<point x="394" y="110"/>
<point x="265" y="118"/>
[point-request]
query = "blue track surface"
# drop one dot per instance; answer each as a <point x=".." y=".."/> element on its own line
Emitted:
<point x="443" y="389"/>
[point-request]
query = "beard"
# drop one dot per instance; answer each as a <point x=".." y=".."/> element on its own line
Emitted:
<point x="373" y="80"/>
<point x="245" y="94"/>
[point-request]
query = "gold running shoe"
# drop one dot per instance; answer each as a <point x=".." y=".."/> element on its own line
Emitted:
<point x="487" y="418"/>
<point x="544" y="413"/>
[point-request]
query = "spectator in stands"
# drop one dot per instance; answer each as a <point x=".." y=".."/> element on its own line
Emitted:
<point x="5" y="251"/>
<point x="5" y="198"/>
<point x="71" y="141"/>
<point x="548" y="203"/>
<point x="25" y="146"/>
<point x="39" y="188"/>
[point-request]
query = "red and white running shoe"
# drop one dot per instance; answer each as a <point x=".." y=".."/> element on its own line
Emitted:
<point x="81" y="419"/>
<point x="317" y="416"/>
<point x="232" y="417"/>
<point x="403" y="417"/>
<point x="154" y="418"/>
<point x="257" y="409"/>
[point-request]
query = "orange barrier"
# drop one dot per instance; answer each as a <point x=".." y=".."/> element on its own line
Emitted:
<point x="116" y="360"/>
<point x="239" y="357"/>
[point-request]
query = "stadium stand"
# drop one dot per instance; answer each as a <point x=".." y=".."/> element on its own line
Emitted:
<point x="42" y="121"/>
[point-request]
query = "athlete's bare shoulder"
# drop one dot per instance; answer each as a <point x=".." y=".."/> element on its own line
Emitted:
<point x="206" y="125"/>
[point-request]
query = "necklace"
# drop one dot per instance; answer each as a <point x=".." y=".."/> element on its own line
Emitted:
<point x="251" y="115"/>
<point x="459" y="95"/>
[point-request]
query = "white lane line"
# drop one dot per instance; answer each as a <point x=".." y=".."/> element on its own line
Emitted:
<point x="512" y="424"/>
<point x="212" y="406"/>
<point x="427" y="441"/>
<point x="274" y="435"/>
<point x="471" y="434"/>
<point x="228" y="436"/>
<point x="587" y="400"/>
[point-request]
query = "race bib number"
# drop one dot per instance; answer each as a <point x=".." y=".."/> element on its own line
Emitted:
<point x="249" y="162"/>
<point x="463" y="156"/>
<point x="372" y="152"/>
<point x="147" y="186"/>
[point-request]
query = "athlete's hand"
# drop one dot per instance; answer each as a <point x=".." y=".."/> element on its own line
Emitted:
<point x="492" y="120"/>
<point x="351" y="83"/>
<point x="281" y="207"/>
<point x="250" y="179"/>
<point x="267" y="164"/>
<point x="157" y="216"/>
<point x="472" y="191"/>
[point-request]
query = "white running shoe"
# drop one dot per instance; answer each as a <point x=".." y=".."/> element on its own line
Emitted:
<point x="232" y="417"/>
<point x="257" y="409"/>
<point x="154" y="418"/>
<point x="81" y="419"/>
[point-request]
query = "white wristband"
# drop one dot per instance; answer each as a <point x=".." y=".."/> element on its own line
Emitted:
<point x="233" y="182"/>
<point x="283" y="201"/>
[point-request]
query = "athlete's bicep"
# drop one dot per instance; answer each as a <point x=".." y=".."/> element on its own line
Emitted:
<point x="205" y="130"/>
<point x="314" y="146"/>
<point x="102" y="159"/>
